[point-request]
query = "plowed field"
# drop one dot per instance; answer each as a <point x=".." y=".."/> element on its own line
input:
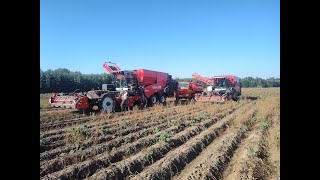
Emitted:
<point x="234" y="140"/>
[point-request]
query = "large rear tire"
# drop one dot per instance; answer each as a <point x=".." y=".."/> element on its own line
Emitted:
<point x="153" y="100"/>
<point x="107" y="103"/>
<point x="235" y="97"/>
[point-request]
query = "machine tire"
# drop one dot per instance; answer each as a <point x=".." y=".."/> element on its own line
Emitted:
<point x="178" y="101"/>
<point x="140" y="106"/>
<point x="153" y="100"/>
<point x="107" y="103"/>
<point x="192" y="99"/>
<point x="162" y="99"/>
<point x="235" y="97"/>
<point x="87" y="111"/>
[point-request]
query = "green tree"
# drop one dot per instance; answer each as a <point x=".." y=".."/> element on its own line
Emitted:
<point x="245" y="83"/>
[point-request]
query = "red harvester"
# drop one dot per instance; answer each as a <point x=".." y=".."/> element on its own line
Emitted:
<point x="187" y="91"/>
<point x="220" y="88"/>
<point x="145" y="87"/>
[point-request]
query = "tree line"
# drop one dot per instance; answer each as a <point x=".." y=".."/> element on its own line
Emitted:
<point x="64" y="80"/>
<point x="247" y="82"/>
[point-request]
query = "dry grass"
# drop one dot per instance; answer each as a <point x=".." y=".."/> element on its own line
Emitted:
<point x="44" y="101"/>
<point x="268" y="107"/>
<point x="58" y="115"/>
<point x="268" y="115"/>
<point x="261" y="92"/>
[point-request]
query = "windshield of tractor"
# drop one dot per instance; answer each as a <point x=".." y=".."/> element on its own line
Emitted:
<point x="183" y="85"/>
<point x="220" y="82"/>
<point x="124" y="79"/>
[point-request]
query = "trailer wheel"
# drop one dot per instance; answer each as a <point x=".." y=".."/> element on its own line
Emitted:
<point x="162" y="99"/>
<point x="153" y="100"/>
<point x="107" y="103"/>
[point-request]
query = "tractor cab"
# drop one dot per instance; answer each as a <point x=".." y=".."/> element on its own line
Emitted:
<point x="221" y="84"/>
<point x="124" y="80"/>
<point x="183" y="85"/>
<point x="108" y="87"/>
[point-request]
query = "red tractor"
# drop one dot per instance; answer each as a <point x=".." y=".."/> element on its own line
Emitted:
<point x="144" y="87"/>
<point x="187" y="91"/>
<point x="220" y="88"/>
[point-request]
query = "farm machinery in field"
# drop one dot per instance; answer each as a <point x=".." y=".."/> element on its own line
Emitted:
<point x="143" y="87"/>
<point x="187" y="91"/>
<point x="219" y="89"/>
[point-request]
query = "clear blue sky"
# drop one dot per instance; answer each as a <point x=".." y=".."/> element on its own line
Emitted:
<point x="210" y="37"/>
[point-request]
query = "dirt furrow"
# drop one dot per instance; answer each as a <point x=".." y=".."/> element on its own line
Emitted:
<point x="113" y="118"/>
<point x="96" y="140"/>
<point x="107" y="125"/>
<point x="174" y="161"/>
<point x="85" y="168"/>
<point x="119" y="156"/>
<point x="61" y="162"/>
<point x="243" y="162"/>
<point x="49" y="126"/>
<point x="272" y="149"/>
<point x="59" y="134"/>
<point x="139" y="161"/>
<point x="50" y="154"/>
<point x="114" y="132"/>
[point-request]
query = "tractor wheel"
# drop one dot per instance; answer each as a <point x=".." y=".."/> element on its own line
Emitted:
<point x="87" y="111"/>
<point x="152" y="100"/>
<point x="137" y="106"/>
<point x="140" y="106"/>
<point x="192" y="101"/>
<point x="162" y="99"/>
<point x="235" y="97"/>
<point x="178" y="101"/>
<point x="107" y="103"/>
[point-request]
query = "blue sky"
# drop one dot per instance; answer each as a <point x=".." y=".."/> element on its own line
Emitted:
<point x="210" y="37"/>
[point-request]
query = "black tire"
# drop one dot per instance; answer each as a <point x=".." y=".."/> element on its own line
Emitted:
<point x="107" y="103"/>
<point x="140" y="106"/>
<point x="153" y="100"/>
<point x="235" y="97"/>
<point x="162" y="99"/>
<point x="137" y="105"/>
<point x="178" y="101"/>
<point x="87" y="111"/>
<point x="192" y="100"/>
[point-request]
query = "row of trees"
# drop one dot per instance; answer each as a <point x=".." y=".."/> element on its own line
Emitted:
<point x="259" y="82"/>
<point x="248" y="82"/>
<point x="64" y="80"/>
